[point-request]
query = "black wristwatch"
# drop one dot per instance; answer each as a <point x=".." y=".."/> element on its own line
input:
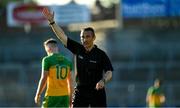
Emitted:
<point x="51" y="23"/>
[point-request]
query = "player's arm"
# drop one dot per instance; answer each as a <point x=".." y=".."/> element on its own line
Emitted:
<point x="70" y="86"/>
<point x="149" y="94"/>
<point x="41" y="86"/>
<point x="162" y="98"/>
<point x="147" y="98"/>
<point x="57" y="30"/>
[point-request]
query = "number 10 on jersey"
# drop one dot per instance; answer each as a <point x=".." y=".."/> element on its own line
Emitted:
<point x="61" y="72"/>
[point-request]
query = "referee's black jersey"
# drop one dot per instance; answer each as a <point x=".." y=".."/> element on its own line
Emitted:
<point x="90" y="65"/>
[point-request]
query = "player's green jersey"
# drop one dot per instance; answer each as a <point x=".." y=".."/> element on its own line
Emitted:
<point x="59" y="69"/>
<point x="155" y="95"/>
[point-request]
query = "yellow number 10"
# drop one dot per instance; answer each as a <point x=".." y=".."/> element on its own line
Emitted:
<point x="61" y="72"/>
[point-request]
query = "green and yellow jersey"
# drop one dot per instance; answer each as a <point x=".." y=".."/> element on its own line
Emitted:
<point x="59" y="69"/>
<point x="154" y="97"/>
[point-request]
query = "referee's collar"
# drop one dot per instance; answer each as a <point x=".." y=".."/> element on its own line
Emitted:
<point x="94" y="46"/>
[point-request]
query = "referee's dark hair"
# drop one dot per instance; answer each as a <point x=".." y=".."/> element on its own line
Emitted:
<point x="89" y="29"/>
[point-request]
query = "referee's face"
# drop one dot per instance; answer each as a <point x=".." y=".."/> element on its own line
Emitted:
<point x="87" y="39"/>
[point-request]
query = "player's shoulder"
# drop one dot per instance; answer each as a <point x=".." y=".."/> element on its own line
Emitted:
<point x="152" y="88"/>
<point x="63" y="57"/>
<point x="48" y="57"/>
<point x="45" y="57"/>
<point x="67" y="60"/>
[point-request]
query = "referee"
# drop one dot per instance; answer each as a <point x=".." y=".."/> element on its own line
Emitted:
<point x="93" y="68"/>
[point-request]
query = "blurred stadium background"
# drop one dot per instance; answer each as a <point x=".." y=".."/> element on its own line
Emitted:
<point x="141" y="37"/>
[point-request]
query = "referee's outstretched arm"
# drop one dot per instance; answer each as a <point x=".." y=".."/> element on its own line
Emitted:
<point x="57" y="30"/>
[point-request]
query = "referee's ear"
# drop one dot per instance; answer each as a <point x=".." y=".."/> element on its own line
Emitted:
<point x="94" y="38"/>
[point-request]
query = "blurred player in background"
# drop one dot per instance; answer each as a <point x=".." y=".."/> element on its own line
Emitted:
<point x="155" y="97"/>
<point x="93" y="66"/>
<point x="56" y="75"/>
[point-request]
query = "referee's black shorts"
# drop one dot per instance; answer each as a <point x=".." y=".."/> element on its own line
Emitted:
<point x="84" y="96"/>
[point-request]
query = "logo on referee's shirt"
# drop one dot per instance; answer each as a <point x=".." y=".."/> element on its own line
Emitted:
<point x="92" y="61"/>
<point x="79" y="56"/>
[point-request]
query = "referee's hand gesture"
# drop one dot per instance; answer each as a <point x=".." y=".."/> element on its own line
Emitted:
<point x="48" y="14"/>
<point x="100" y="85"/>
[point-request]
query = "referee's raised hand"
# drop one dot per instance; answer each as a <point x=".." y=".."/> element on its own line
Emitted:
<point x="48" y="14"/>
